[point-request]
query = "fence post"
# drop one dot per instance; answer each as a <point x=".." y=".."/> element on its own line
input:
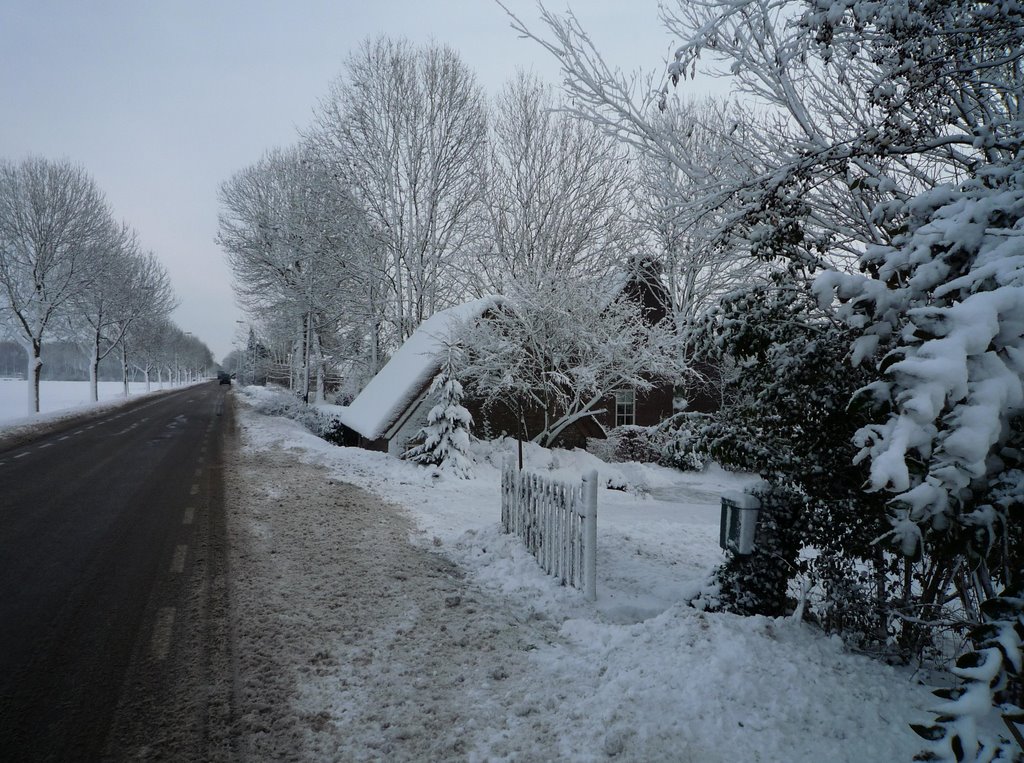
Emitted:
<point x="590" y="535"/>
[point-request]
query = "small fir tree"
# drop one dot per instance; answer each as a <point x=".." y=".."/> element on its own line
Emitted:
<point x="445" y="438"/>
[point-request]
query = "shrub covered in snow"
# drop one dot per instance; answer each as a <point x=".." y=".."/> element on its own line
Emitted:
<point x="277" y="401"/>
<point x="786" y="417"/>
<point x="942" y="318"/>
<point x="681" y="443"/>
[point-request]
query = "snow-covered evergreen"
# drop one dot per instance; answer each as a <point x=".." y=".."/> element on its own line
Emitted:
<point x="445" y="438"/>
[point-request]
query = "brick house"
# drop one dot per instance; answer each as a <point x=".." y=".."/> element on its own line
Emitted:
<point x="390" y="411"/>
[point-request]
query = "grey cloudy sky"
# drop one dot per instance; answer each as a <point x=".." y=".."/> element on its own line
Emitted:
<point x="162" y="100"/>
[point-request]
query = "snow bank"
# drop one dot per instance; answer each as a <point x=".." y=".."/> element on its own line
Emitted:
<point x="640" y="675"/>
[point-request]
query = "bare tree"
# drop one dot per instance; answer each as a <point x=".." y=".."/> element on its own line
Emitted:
<point x="127" y="285"/>
<point x="297" y="244"/>
<point x="557" y="197"/>
<point x="557" y="353"/>
<point x="147" y="295"/>
<point x="54" y="222"/>
<point x="698" y="266"/>
<point x="407" y="128"/>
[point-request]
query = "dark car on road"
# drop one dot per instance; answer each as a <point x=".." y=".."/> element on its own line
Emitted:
<point x="224" y="378"/>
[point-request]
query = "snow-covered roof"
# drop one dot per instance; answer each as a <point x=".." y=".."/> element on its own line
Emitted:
<point x="412" y="366"/>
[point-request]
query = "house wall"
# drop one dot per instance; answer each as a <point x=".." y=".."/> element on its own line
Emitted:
<point x="499" y="419"/>
<point x="652" y="407"/>
<point x="399" y="439"/>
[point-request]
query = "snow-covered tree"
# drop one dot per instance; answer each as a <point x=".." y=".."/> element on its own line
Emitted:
<point x="444" y="441"/>
<point x="297" y="246"/>
<point x="673" y="219"/>
<point x="556" y="194"/>
<point x="53" y="224"/>
<point x="147" y="293"/>
<point x="98" y="303"/>
<point x="558" y="352"/>
<point x="406" y="128"/>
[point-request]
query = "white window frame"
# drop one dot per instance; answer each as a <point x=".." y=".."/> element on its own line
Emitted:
<point x="625" y="407"/>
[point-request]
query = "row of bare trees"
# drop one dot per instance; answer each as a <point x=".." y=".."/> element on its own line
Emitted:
<point x="70" y="271"/>
<point x="411" y="191"/>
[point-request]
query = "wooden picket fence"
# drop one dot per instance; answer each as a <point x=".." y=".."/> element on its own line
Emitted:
<point x="556" y="521"/>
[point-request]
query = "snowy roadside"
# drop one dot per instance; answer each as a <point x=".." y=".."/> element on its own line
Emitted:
<point x="16" y="428"/>
<point x="396" y="653"/>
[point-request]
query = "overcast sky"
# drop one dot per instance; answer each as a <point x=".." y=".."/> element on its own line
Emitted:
<point x="162" y="100"/>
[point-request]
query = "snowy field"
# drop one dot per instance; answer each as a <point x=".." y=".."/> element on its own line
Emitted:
<point x="638" y="675"/>
<point x="57" y="398"/>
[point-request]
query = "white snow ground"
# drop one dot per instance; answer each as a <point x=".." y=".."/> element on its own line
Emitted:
<point x="58" y="398"/>
<point x="636" y="676"/>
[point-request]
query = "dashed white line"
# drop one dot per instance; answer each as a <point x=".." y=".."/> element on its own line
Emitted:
<point x="21" y="455"/>
<point x="199" y="471"/>
<point x="178" y="561"/>
<point x="78" y="432"/>
<point x="190" y="515"/>
<point x="45" y="445"/>
<point x="194" y="490"/>
<point x="161" y="642"/>
<point x="64" y="437"/>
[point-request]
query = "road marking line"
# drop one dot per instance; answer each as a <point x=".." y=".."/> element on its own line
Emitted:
<point x="78" y="432"/>
<point x="178" y="562"/>
<point x="161" y="643"/>
<point x="64" y="437"/>
<point x="45" y="445"/>
<point x="199" y="471"/>
<point x="21" y="455"/>
<point x="194" y="490"/>
<point x="190" y="514"/>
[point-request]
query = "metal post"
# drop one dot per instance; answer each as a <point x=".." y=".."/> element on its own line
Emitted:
<point x="590" y="535"/>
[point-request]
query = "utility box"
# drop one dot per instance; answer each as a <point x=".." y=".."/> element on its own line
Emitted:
<point x="739" y="522"/>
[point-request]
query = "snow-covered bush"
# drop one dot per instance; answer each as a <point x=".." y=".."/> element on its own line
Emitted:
<point x="941" y="313"/>
<point x="277" y="401"/>
<point x="681" y="441"/>
<point x="445" y="438"/>
<point x="946" y="303"/>
<point x="786" y="417"/>
<point x="758" y="584"/>
<point x="633" y="443"/>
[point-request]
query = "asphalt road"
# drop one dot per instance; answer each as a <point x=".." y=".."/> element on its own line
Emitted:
<point x="113" y="600"/>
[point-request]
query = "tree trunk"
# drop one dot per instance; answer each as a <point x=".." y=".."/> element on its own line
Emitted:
<point x="124" y="367"/>
<point x="35" y="368"/>
<point x="320" y="371"/>
<point x="94" y="372"/>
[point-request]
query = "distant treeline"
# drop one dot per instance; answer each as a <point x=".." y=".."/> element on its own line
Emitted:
<point x="65" y="361"/>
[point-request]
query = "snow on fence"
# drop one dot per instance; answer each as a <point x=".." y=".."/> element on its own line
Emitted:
<point x="557" y="521"/>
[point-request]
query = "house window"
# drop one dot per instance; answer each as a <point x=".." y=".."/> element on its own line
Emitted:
<point x="625" y="408"/>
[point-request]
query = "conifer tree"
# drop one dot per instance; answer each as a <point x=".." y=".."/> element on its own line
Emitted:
<point x="445" y="438"/>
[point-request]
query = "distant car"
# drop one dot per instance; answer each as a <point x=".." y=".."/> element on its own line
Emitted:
<point x="224" y="378"/>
